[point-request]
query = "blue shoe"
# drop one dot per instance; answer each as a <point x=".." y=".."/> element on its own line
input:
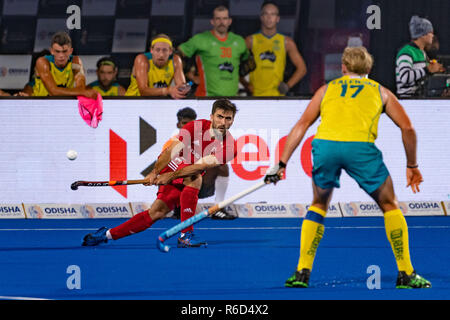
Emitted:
<point x="189" y="240"/>
<point x="94" y="239"/>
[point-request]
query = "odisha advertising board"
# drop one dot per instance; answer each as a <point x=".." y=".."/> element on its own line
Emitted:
<point x="270" y="208"/>
<point x="60" y="210"/>
<point x="10" y="209"/>
<point x="423" y="205"/>
<point x="112" y="209"/>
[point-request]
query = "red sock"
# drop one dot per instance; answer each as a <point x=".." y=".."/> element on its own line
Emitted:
<point x="137" y="223"/>
<point x="188" y="203"/>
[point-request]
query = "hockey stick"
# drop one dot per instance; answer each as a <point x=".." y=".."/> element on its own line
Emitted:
<point x="200" y="216"/>
<point x="76" y="184"/>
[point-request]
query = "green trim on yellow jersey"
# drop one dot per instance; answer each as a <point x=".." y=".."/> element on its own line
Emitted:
<point x="111" y="92"/>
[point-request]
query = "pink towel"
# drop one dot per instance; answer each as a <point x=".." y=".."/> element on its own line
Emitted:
<point x="91" y="110"/>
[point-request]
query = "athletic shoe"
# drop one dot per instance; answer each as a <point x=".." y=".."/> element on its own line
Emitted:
<point x="222" y="215"/>
<point x="189" y="240"/>
<point x="413" y="281"/>
<point x="94" y="239"/>
<point x="299" y="279"/>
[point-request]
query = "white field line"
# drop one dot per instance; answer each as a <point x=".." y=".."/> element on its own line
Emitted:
<point x="225" y="228"/>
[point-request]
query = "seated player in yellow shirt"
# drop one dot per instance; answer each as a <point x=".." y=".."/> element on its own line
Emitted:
<point x="154" y="71"/>
<point x="61" y="73"/>
<point x="106" y="84"/>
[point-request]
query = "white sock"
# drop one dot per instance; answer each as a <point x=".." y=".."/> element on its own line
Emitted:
<point x="108" y="235"/>
<point x="221" y="185"/>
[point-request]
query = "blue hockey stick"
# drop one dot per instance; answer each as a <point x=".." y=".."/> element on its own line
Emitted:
<point x="200" y="216"/>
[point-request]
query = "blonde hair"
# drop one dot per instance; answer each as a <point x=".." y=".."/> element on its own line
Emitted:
<point x="357" y="60"/>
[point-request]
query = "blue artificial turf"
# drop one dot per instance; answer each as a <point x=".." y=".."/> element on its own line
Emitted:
<point x="246" y="259"/>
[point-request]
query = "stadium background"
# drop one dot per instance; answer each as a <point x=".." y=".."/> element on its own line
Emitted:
<point x="321" y="29"/>
<point x="247" y="258"/>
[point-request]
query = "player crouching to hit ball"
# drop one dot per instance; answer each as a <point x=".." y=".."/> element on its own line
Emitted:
<point x="200" y="145"/>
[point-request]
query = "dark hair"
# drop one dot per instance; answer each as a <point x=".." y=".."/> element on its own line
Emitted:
<point x="62" y="38"/>
<point x="106" y="61"/>
<point x="265" y="3"/>
<point x="224" y="104"/>
<point x="186" y="113"/>
<point x="220" y="8"/>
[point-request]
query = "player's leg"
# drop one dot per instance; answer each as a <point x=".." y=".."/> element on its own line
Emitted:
<point x="366" y="166"/>
<point x="188" y="205"/>
<point x="208" y="187"/>
<point x="140" y="221"/>
<point x="397" y="234"/>
<point x="221" y="182"/>
<point x="311" y="235"/>
<point x="166" y="199"/>
<point x="325" y="177"/>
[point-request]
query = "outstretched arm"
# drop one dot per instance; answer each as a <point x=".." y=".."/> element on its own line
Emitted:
<point x="201" y="165"/>
<point x="398" y="115"/>
<point x="296" y="135"/>
<point x="163" y="160"/>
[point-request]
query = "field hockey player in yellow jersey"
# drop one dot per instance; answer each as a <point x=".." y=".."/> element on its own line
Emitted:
<point x="349" y="108"/>
<point x="154" y="71"/>
<point x="269" y="49"/>
<point x="106" y="83"/>
<point x="61" y="73"/>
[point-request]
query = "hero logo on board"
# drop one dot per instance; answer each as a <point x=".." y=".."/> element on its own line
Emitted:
<point x="148" y="138"/>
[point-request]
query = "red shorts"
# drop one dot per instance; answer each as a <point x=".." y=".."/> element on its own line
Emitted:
<point x="170" y="195"/>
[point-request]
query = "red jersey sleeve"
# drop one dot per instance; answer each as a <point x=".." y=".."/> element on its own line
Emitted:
<point x="187" y="132"/>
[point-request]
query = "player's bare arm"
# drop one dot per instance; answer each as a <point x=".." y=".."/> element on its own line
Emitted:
<point x="397" y="114"/>
<point x="297" y="60"/>
<point x="312" y="112"/>
<point x="176" y="91"/>
<point x="297" y="133"/>
<point x="178" y="77"/>
<point x="140" y="70"/>
<point x="43" y="71"/>
<point x="201" y="165"/>
<point x="121" y="91"/>
<point x="163" y="160"/>
<point x="78" y="72"/>
<point x="248" y="87"/>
